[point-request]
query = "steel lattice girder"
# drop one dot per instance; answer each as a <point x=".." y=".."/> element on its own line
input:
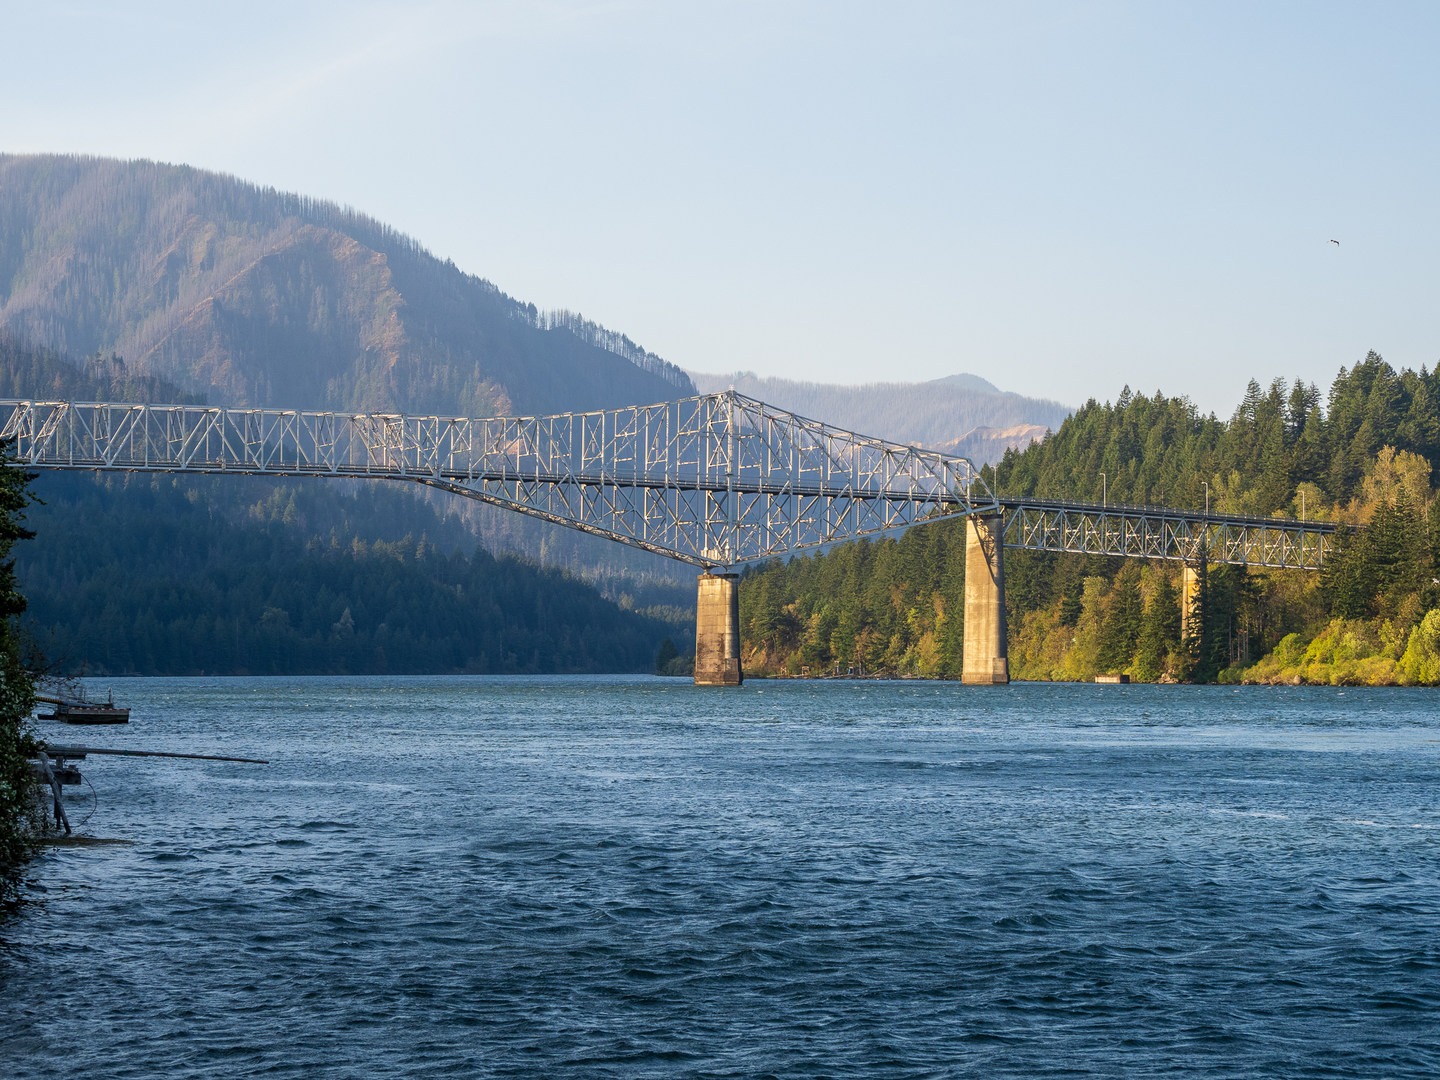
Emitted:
<point x="1163" y="534"/>
<point x="719" y="480"/>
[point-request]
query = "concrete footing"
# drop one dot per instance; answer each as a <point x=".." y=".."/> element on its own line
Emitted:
<point x="986" y="659"/>
<point x="717" y="631"/>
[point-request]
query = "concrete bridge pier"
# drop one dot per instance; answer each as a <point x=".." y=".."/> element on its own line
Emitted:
<point x="986" y="659"/>
<point x="1190" y="613"/>
<point x="717" y="631"/>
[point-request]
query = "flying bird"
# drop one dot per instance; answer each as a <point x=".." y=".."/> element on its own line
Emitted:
<point x="1335" y="242"/>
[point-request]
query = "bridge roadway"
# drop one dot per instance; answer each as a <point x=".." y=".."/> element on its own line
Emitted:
<point x="720" y="481"/>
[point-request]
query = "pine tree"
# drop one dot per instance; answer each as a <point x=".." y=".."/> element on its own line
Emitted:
<point x="18" y="818"/>
<point x="1121" y="629"/>
<point x="1159" y="632"/>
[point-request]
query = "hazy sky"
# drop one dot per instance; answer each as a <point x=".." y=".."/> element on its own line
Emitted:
<point x="1062" y="197"/>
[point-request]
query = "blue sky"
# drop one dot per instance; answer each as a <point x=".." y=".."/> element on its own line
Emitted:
<point x="1062" y="197"/>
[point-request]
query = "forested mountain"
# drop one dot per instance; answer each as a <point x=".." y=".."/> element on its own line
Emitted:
<point x="960" y="414"/>
<point x="248" y="296"/>
<point x="146" y="282"/>
<point x="149" y="580"/>
<point x="1282" y="442"/>
<point x="138" y="281"/>
<point x="1363" y="455"/>
<point x="182" y="575"/>
<point x="43" y="374"/>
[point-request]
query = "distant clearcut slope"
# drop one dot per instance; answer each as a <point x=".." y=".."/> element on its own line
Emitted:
<point x="248" y="296"/>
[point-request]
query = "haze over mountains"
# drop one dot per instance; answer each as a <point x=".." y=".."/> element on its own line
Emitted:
<point x="959" y="414"/>
<point x="141" y="281"/>
<point x="241" y="295"/>
<point x="249" y="296"/>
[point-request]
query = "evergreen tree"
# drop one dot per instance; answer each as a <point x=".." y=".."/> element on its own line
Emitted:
<point x="1364" y="455"/>
<point x="18" y="817"/>
<point x="1121" y="630"/>
<point x="1159" y="632"/>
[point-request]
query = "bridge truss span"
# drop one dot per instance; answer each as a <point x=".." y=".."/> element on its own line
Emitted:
<point x="718" y="481"/>
<point x="1151" y="533"/>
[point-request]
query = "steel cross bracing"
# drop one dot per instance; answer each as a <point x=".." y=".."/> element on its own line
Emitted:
<point x="1150" y="533"/>
<point x="718" y="481"/>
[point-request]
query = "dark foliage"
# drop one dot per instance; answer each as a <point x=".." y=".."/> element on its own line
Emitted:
<point x="1280" y="453"/>
<point x="17" y="694"/>
<point x="1161" y="452"/>
<point x="134" y="575"/>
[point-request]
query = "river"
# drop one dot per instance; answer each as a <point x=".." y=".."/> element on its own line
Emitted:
<point x="630" y="877"/>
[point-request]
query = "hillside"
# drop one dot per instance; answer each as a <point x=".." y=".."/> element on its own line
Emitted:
<point x="959" y="414"/>
<point x="129" y="276"/>
<point x="132" y="574"/>
<point x="1364" y="455"/>
<point x="247" y="296"/>
<point x="147" y="580"/>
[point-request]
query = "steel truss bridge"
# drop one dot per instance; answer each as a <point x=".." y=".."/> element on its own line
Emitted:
<point x="719" y="481"/>
<point x="1161" y="533"/>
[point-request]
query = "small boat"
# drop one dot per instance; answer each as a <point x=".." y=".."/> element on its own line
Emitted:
<point x="86" y="712"/>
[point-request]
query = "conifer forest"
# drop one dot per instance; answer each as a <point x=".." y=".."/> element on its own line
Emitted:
<point x="1363" y="454"/>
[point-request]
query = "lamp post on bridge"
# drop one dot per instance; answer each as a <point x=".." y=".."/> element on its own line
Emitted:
<point x="1104" y="492"/>
<point x="1207" y="497"/>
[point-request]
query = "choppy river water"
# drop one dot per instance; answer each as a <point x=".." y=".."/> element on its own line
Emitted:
<point x="594" y="877"/>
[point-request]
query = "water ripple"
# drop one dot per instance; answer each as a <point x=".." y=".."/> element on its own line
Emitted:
<point x="602" y="878"/>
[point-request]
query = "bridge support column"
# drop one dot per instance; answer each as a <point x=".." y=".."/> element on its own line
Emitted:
<point x="717" y="631"/>
<point x="1190" y="613"/>
<point x="986" y="659"/>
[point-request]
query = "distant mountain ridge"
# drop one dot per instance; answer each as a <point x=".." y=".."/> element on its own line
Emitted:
<point x="958" y="414"/>
<point x="248" y="296"/>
